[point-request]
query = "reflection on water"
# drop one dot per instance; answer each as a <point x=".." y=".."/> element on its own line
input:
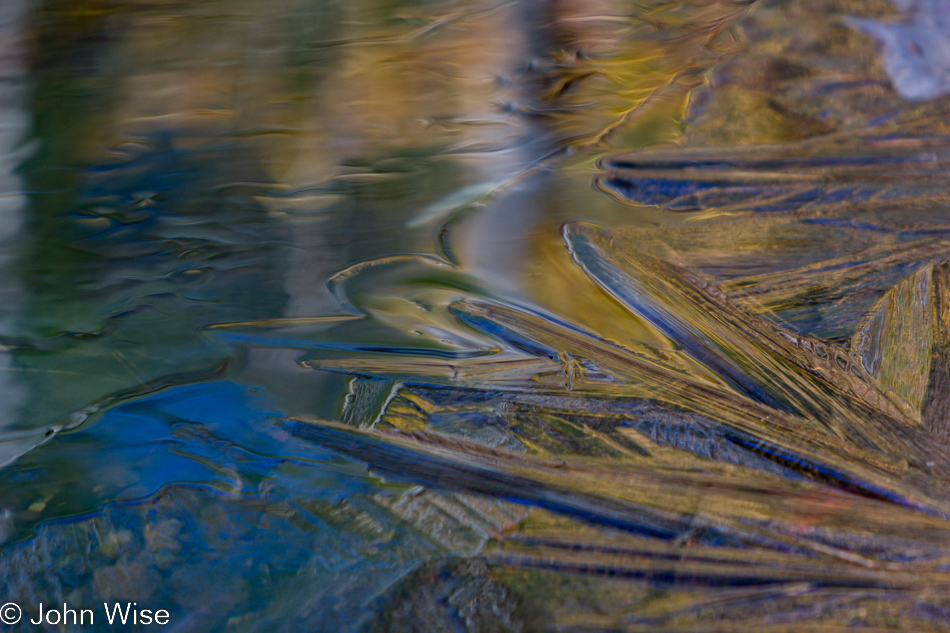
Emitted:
<point x="476" y="315"/>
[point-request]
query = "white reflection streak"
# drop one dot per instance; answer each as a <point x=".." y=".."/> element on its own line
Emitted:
<point x="369" y="109"/>
<point x="493" y="242"/>
<point x="494" y="245"/>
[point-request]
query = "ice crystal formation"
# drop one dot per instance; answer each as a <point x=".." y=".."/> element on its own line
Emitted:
<point x="743" y="454"/>
<point x="737" y="420"/>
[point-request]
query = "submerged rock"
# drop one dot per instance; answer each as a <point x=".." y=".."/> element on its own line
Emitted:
<point x="916" y="48"/>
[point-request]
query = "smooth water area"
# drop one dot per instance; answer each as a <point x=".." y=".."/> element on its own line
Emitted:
<point x="169" y="168"/>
